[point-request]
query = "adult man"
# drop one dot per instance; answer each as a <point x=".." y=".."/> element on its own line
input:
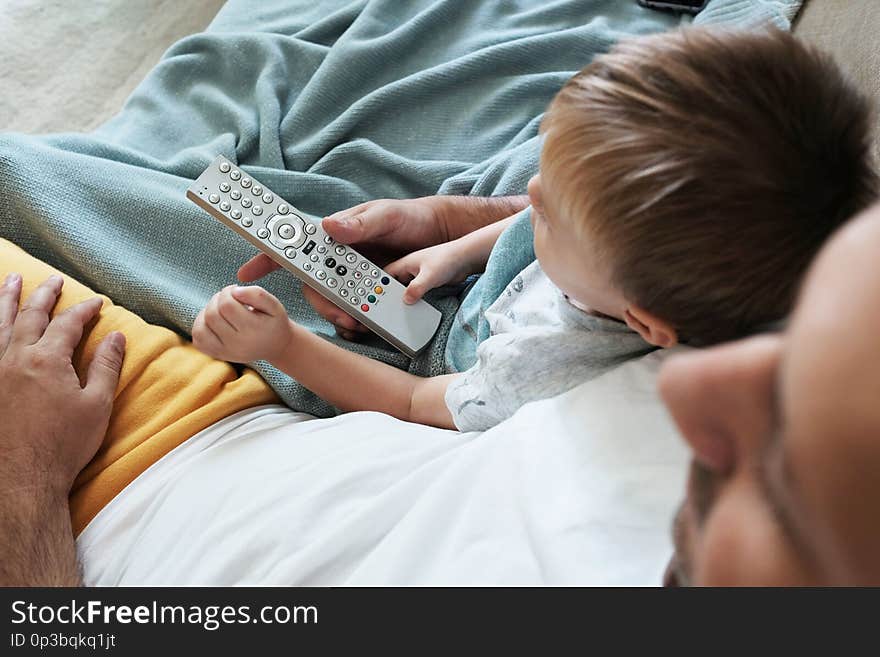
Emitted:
<point x="785" y="431"/>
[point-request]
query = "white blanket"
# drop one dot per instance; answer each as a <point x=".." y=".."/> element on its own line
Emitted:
<point x="579" y="489"/>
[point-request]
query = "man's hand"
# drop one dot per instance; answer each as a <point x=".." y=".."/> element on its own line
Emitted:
<point x="243" y="324"/>
<point x="51" y="427"/>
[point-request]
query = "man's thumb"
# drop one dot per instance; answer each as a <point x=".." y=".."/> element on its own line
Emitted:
<point x="350" y="229"/>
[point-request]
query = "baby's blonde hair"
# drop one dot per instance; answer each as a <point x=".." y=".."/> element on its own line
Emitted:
<point x="709" y="166"/>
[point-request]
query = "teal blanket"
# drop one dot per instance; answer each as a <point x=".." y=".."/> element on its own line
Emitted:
<point x="329" y="103"/>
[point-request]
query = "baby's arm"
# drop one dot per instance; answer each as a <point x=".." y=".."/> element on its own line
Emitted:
<point x="450" y="262"/>
<point x="243" y="324"/>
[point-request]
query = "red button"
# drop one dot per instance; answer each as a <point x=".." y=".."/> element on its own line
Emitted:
<point x="364" y="307"/>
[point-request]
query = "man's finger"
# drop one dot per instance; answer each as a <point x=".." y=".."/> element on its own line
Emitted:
<point x="368" y="225"/>
<point x="33" y="318"/>
<point x="9" y="295"/>
<point x="103" y="375"/>
<point x="331" y="312"/>
<point x="257" y="267"/>
<point x="65" y="330"/>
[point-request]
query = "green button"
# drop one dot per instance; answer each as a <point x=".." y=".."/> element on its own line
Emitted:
<point x="371" y="299"/>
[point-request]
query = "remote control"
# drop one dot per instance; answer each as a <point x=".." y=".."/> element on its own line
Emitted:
<point x="299" y="244"/>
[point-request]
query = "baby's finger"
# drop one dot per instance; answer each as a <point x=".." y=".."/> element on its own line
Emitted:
<point x="258" y="299"/>
<point x="404" y="269"/>
<point x="233" y="310"/>
<point x="418" y="286"/>
<point x="214" y="318"/>
<point x="204" y="339"/>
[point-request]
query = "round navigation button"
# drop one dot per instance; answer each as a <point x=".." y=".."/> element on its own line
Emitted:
<point x="286" y="231"/>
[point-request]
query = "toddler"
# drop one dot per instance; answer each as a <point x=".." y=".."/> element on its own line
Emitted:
<point x="686" y="181"/>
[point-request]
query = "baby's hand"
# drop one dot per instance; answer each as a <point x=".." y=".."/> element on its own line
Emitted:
<point x="242" y="324"/>
<point x="426" y="269"/>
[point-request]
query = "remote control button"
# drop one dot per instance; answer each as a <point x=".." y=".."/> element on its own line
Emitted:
<point x="214" y="198"/>
<point x="310" y="229"/>
<point x="245" y="182"/>
<point x="307" y="266"/>
<point x="330" y="263"/>
<point x="320" y="274"/>
<point x="355" y="301"/>
<point x="327" y="238"/>
<point x="375" y="273"/>
<point x="368" y="282"/>
<point x="365" y="307"/>
<point x="224" y="205"/>
<point x="308" y="249"/>
<point x="341" y="270"/>
<point x="247" y="222"/>
<point x="351" y="258"/>
<point x="371" y="299"/>
<point x="235" y="195"/>
<point x="283" y="209"/>
<point x="358" y="275"/>
<point x="385" y="280"/>
<point x="340" y="250"/>
<point x="331" y="282"/>
<point x="322" y="249"/>
<point x="224" y="186"/>
<point x="224" y="167"/>
<point x="314" y="257"/>
<point x="263" y="233"/>
<point x="257" y="210"/>
<point x="290" y="252"/>
<point x="343" y="293"/>
<point x="361" y="291"/>
<point x="235" y="214"/>
<point x="286" y="231"/>
<point x="365" y="265"/>
<point x="267" y="197"/>
<point x="350" y="283"/>
<point x="257" y="190"/>
<point x="378" y="290"/>
<point x="234" y="174"/>
<point x="246" y="203"/>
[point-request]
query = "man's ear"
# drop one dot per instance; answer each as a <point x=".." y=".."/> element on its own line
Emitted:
<point x="653" y="330"/>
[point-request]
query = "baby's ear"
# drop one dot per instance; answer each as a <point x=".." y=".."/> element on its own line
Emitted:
<point x="653" y="330"/>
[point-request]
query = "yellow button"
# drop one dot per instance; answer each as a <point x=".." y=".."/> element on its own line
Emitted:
<point x="378" y="290"/>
